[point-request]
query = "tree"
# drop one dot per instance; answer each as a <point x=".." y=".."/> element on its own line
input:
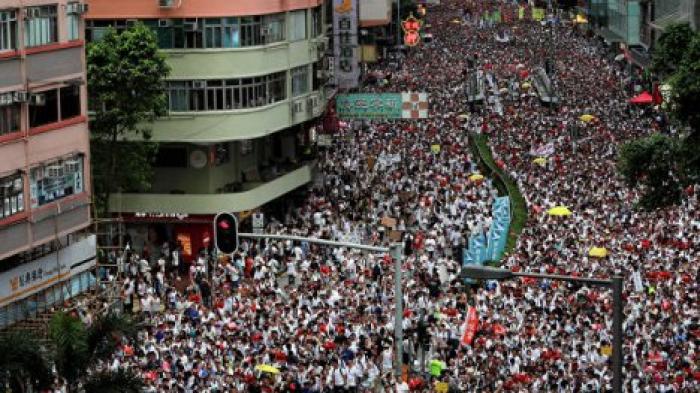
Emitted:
<point x="685" y="86"/>
<point x="126" y="91"/>
<point x="671" y="47"/>
<point x="23" y="366"/>
<point x="77" y="347"/>
<point x="651" y="164"/>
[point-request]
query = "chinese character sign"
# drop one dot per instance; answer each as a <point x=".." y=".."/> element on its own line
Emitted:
<point x="346" y="70"/>
<point x="382" y="106"/>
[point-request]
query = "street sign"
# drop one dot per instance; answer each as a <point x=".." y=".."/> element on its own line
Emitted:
<point x="258" y="222"/>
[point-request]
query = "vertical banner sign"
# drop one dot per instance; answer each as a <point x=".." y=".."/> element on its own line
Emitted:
<point x="472" y="324"/>
<point x="345" y="23"/>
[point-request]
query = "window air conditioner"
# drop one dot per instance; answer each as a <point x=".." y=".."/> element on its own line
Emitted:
<point x="71" y="166"/>
<point x="191" y="24"/>
<point x="21" y="96"/>
<point x="199" y="84"/>
<point x="76" y="8"/>
<point x="165" y="22"/>
<point x="321" y="74"/>
<point x="6" y="99"/>
<point x="53" y="171"/>
<point x="37" y="100"/>
<point x="321" y="46"/>
<point x="166" y="3"/>
<point x="265" y="31"/>
<point x="32" y="12"/>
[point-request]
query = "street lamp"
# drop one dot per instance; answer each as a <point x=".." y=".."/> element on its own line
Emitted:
<point x="615" y="283"/>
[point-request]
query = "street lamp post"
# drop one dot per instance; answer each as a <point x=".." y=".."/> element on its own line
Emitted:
<point x="615" y="283"/>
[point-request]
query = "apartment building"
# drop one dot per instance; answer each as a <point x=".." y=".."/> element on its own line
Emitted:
<point x="245" y="91"/>
<point x="45" y="257"/>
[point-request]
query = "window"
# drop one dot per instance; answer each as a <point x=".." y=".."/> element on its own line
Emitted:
<point x="11" y="195"/>
<point x="54" y="105"/>
<point x="300" y="80"/>
<point x="55" y="180"/>
<point x="40" y="27"/>
<point x="273" y="28"/>
<point x="297" y="27"/>
<point x="217" y="94"/>
<point x="250" y="31"/>
<point x="171" y="157"/>
<point x="9" y="118"/>
<point x="73" y="25"/>
<point x="316" y="22"/>
<point x="8" y="30"/>
<point x="95" y="30"/>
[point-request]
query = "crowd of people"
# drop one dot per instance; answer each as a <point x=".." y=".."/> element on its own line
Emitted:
<point x="295" y="317"/>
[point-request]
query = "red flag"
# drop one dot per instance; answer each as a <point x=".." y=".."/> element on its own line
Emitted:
<point x="472" y="323"/>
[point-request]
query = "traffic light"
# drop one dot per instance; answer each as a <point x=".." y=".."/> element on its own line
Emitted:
<point x="226" y="233"/>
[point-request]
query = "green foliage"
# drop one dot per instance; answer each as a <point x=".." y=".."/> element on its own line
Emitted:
<point x="69" y="338"/>
<point x="652" y="164"/>
<point x="671" y="47"/>
<point x="517" y="202"/>
<point x="126" y="88"/>
<point x="121" y="381"/>
<point x="106" y="333"/>
<point x="22" y="363"/>
<point x="685" y="87"/>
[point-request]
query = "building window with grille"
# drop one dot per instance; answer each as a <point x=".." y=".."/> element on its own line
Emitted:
<point x="52" y="181"/>
<point x="11" y="195"/>
<point x="40" y="26"/>
<point x="9" y="118"/>
<point x="273" y="28"/>
<point x="8" y="30"/>
<point x="300" y="80"/>
<point x="72" y="24"/>
<point x="297" y="26"/>
<point x="250" y="31"/>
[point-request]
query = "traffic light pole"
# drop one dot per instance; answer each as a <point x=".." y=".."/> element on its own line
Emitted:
<point x="396" y="252"/>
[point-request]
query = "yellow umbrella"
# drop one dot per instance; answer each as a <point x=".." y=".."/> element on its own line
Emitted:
<point x="476" y="176"/>
<point x="266" y="368"/>
<point x="526" y="85"/>
<point x="559" y="211"/>
<point x="456" y="20"/>
<point x="587" y="118"/>
<point x="540" y="161"/>
<point x="463" y="116"/>
<point x="581" y="19"/>
<point x="598" y="252"/>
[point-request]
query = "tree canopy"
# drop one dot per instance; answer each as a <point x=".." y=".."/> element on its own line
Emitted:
<point x="126" y="91"/>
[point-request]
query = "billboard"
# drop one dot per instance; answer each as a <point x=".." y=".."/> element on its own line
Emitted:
<point x="346" y="51"/>
<point x="382" y="106"/>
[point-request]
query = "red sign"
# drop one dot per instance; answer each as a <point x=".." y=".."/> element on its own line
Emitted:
<point x="472" y="324"/>
<point x="411" y="28"/>
<point x="411" y="38"/>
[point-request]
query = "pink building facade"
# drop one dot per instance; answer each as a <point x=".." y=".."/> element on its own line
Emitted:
<point x="44" y="141"/>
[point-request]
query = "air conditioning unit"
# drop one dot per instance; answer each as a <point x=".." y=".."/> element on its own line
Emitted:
<point x="165" y="22"/>
<point x="6" y="99"/>
<point x="37" y="99"/>
<point x="76" y="8"/>
<point x="54" y="171"/>
<point x="71" y="166"/>
<point x="322" y="46"/>
<point x="265" y="31"/>
<point x="32" y="12"/>
<point x="191" y="24"/>
<point x="322" y="74"/>
<point x="20" y="96"/>
<point x="199" y="84"/>
<point x="166" y="3"/>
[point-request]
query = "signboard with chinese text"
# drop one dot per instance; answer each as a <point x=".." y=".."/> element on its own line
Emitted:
<point x="382" y="106"/>
<point x="346" y="52"/>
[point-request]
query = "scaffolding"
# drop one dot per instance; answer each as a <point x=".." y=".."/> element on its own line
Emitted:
<point x="111" y="251"/>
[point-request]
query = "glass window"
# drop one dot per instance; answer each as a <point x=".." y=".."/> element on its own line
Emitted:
<point x="179" y="95"/>
<point x="297" y="27"/>
<point x="193" y="33"/>
<point x="11" y="195"/>
<point x="8" y="30"/>
<point x="55" y="180"/>
<point x="70" y="102"/>
<point x="40" y="25"/>
<point x="213" y="33"/>
<point x="73" y="25"/>
<point x="300" y="80"/>
<point x="43" y="109"/>
<point x="316" y="22"/>
<point x="9" y="118"/>
<point x="273" y="28"/>
<point x="250" y="31"/>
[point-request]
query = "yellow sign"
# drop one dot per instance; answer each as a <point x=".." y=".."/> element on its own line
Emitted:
<point x="344" y="7"/>
<point x="442" y="387"/>
<point x="606" y="350"/>
<point x="435" y="149"/>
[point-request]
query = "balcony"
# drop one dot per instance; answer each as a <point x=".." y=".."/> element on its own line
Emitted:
<point x="207" y="204"/>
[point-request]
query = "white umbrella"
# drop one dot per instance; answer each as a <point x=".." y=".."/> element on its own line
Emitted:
<point x="620" y="57"/>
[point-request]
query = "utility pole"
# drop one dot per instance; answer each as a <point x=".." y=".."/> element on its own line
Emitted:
<point x="396" y="254"/>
